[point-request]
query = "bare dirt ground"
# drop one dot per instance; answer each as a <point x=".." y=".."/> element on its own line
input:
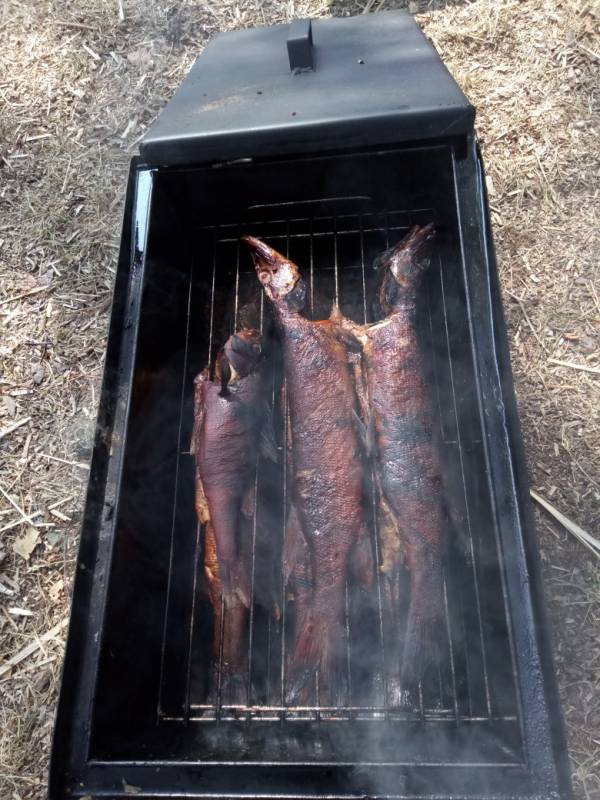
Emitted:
<point x="80" y="81"/>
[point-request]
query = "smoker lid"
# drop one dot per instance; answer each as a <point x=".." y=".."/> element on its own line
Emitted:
<point x="375" y="79"/>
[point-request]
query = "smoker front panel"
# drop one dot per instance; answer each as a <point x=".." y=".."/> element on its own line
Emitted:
<point x="481" y="726"/>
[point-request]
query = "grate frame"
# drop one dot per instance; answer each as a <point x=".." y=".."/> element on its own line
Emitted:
<point x="284" y="225"/>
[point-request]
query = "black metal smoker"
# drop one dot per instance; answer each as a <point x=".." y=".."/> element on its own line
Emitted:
<point x="328" y="139"/>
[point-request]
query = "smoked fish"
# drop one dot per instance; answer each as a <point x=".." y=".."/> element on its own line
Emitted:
<point x="397" y="412"/>
<point x="229" y="412"/>
<point x="326" y="515"/>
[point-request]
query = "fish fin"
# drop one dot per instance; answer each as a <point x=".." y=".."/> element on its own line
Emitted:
<point x="248" y="506"/>
<point x="268" y="444"/>
<point x="366" y="433"/>
<point x="211" y="568"/>
<point x="362" y="428"/>
<point x="391" y="538"/>
<point x="199" y="382"/>
<point x="336" y="314"/>
<point x="233" y="651"/>
<point x="423" y="628"/>
<point x="345" y="330"/>
<point x="295" y="548"/>
<point x="362" y="563"/>
<point x="346" y="334"/>
<point x="202" y="510"/>
<point x="319" y="646"/>
<point x="452" y="490"/>
<point x="234" y="688"/>
<point x="346" y="326"/>
<point x="239" y="581"/>
<point x="421" y="649"/>
<point x="226" y="375"/>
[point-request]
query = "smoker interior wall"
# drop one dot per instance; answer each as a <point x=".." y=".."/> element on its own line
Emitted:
<point x="152" y="540"/>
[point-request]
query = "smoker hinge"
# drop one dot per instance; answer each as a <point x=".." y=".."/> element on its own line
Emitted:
<point x="300" y="45"/>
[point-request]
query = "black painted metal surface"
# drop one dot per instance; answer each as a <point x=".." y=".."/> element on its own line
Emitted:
<point x="133" y="716"/>
<point x="376" y="79"/>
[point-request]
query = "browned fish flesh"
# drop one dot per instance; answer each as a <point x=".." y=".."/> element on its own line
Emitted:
<point x="228" y="417"/>
<point x="327" y="475"/>
<point x="398" y="412"/>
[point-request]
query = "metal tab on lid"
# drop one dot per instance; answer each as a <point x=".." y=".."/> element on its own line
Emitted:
<point x="300" y="45"/>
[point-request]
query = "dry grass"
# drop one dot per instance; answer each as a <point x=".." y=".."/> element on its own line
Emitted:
<point x="78" y="86"/>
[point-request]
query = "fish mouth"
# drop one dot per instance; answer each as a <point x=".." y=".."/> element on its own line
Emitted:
<point x="412" y="248"/>
<point x="411" y="257"/>
<point x="278" y="274"/>
<point x="418" y="239"/>
<point x="260" y="251"/>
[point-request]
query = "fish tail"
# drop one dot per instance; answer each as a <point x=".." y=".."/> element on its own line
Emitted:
<point x="423" y="629"/>
<point x="317" y="657"/>
<point x="234" y="675"/>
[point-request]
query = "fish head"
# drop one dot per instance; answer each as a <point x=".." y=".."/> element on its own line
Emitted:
<point x="279" y="276"/>
<point x="403" y="265"/>
<point x="243" y="351"/>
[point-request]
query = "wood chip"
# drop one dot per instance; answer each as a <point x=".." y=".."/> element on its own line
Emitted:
<point x="56" y="589"/>
<point x="20" y="612"/>
<point x="25" y="545"/>
<point x="93" y="54"/>
<point x="130" y="789"/>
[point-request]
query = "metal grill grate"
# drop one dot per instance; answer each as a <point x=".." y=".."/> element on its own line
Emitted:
<point x="336" y="240"/>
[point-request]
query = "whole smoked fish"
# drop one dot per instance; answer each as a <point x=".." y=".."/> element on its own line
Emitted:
<point x="229" y="413"/>
<point x="397" y="410"/>
<point x="326" y="517"/>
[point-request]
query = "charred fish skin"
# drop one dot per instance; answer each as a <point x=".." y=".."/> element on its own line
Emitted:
<point x="327" y="479"/>
<point x="407" y="456"/>
<point x="225" y="443"/>
<point x="399" y="432"/>
<point x="228" y="675"/>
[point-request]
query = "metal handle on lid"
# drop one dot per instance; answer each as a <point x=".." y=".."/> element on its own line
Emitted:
<point x="300" y="45"/>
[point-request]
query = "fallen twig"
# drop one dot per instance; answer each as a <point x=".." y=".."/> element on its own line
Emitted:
<point x="17" y="522"/>
<point x="10" y="428"/>
<point x="64" y="461"/>
<point x="571" y="365"/>
<point x="25" y="294"/>
<point x="527" y="320"/>
<point x="25" y="516"/>
<point x="594" y="56"/>
<point x="584" y="537"/>
<point x="33" y="647"/>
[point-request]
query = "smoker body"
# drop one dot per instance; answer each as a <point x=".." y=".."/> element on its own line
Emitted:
<point x="332" y="182"/>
